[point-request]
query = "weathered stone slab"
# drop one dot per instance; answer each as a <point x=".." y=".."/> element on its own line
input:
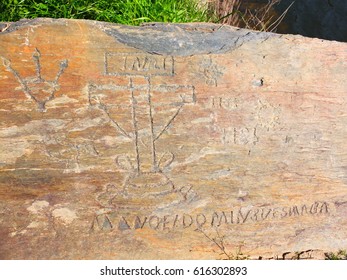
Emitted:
<point x="177" y="141"/>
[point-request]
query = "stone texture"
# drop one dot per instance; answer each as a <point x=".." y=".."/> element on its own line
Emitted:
<point x="179" y="141"/>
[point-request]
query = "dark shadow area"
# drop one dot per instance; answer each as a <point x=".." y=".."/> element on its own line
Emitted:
<point x="324" y="19"/>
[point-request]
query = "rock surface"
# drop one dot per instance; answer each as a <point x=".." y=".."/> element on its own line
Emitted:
<point x="179" y="141"/>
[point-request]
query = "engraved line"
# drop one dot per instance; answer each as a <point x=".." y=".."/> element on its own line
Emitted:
<point x="151" y="120"/>
<point x="125" y="63"/>
<point x="27" y="91"/>
<point x="137" y="60"/>
<point x="121" y="130"/>
<point x="168" y="124"/>
<point x="117" y="87"/>
<point x="106" y="64"/>
<point x="168" y="162"/>
<point x="136" y="136"/>
<point x="91" y="88"/>
<point x="103" y="107"/>
<point x="171" y="88"/>
<point x="164" y="63"/>
<point x="92" y="227"/>
<point x="145" y="65"/>
<point x="255" y="136"/>
<point x="62" y="67"/>
<point x="36" y="57"/>
<point x="107" y="219"/>
<point x="224" y="137"/>
<point x="173" y="66"/>
<point x="133" y="74"/>
<point x="193" y="94"/>
<point x="235" y="136"/>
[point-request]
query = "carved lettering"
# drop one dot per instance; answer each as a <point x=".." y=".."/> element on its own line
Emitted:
<point x="166" y="222"/>
<point x="285" y="212"/>
<point x="242" y="217"/>
<point x="324" y="208"/>
<point x="314" y="208"/>
<point x="239" y="136"/>
<point x="139" y="223"/>
<point x="120" y="64"/>
<point x="231" y="217"/>
<point x="154" y="222"/>
<point x="208" y="219"/>
<point x="200" y="220"/>
<point x="123" y="224"/>
<point x="255" y="215"/>
<point x="185" y="223"/>
<point x="265" y="213"/>
<point x="175" y="221"/>
<point x="225" y="103"/>
<point x="217" y="220"/>
<point x="107" y="223"/>
<point x="303" y="210"/>
<point x="293" y="211"/>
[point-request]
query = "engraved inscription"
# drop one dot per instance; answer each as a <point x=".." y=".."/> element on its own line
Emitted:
<point x="138" y="64"/>
<point x="240" y="136"/>
<point x="235" y="216"/>
<point x="37" y="88"/>
<point x="267" y="114"/>
<point x="231" y="103"/>
<point x="61" y="149"/>
<point x="211" y="71"/>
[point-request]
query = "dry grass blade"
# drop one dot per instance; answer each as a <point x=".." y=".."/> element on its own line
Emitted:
<point x="234" y="12"/>
<point x="226" y="12"/>
<point x="277" y="22"/>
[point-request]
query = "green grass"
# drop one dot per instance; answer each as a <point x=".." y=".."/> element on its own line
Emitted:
<point x="129" y="12"/>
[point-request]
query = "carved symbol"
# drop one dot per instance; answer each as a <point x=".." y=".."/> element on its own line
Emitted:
<point x="267" y="115"/>
<point x="37" y="88"/>
<point x="186" y="95"/>
<point x="211" y="71"/>
<point x="143" y="187"/>
<point x="62" y="149"/>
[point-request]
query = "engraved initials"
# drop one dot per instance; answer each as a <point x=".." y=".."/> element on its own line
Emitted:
<point x="121" y="64"/>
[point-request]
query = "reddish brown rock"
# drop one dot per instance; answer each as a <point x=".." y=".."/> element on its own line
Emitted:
<point x="169" y="142"/>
